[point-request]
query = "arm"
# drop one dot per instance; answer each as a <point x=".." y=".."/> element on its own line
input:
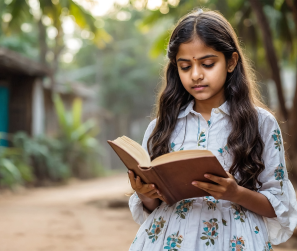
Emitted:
<point x="227" y="189"/>
<point x="281" y="215"/>
<point x="148" y="193"/>
<point x="257" y="202"/>
<point x="148" y="203"/>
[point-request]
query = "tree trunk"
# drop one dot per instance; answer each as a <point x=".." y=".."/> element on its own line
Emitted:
<point x="291" y="118"/>
<point x="270" y="54"/>
<point x="42" y="43"/>
<point x="292" y="4"/>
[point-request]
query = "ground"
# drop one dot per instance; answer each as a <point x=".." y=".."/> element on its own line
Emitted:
<point x="80" y="216"/>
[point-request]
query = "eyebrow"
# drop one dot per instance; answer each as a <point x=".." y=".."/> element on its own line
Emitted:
<point x="204" y="57"/>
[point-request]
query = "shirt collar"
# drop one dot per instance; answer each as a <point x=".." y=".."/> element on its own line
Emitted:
<point x="186" y="109"/>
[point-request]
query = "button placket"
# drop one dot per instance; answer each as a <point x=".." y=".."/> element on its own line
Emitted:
<point x="202" y="134"/>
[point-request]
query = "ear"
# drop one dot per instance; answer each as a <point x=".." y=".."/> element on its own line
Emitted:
<point x="232" y="62"/>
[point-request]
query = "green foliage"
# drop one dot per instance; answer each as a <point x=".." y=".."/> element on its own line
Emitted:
<point x="45" y="156"/>
<point x="239" y="14"/>
<point x="41" y="159"/>
<point x="13" y="168"/>
<point x="80" y="148"/>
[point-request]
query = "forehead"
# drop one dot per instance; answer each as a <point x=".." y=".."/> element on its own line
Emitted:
<point x="196" y="48"/>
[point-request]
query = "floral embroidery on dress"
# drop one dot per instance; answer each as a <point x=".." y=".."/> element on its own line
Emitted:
<point x="277" y="138"/>
<point x="268" y="247"/>
<point x="211" y="202"/>
<point x="238" y="212"/>
<point x="223" y="151"/>
<point x="201" y="138"/>
<point x="172" y="145"/>
<point x="237" y="244"/>
<point x="183" y="208"/>
<point x="210" y="231"/>
<point x="224" y="222"/>
<point x="208" y="122"/>
<point x="173" y="242"/>
<point x="279" y="175"/>
<point x="257" y="230"/>
<point x="155" y="229"/>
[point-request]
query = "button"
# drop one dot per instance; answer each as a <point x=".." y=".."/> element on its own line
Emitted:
<point x="216" y="111"/>
<point x="203" y="130"/>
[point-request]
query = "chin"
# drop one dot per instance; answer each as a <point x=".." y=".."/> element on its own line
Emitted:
<point x="201" y="96"/>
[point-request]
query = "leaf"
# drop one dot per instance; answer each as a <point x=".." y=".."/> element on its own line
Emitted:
<point x="76" y="112"/>
<point x="224" y="222"/>
<point x="203" y="238"/>
<point x="207" y="243"/>
<point x="242" y="220"/>
<point x="182" y="216"/>
<point x="159" y="46"/>
<point x="212" y="241"/>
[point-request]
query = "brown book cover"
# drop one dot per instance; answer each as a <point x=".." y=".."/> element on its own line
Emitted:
<point x="174" y="178"/>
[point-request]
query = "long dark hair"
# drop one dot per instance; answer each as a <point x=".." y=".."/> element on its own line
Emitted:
<point x="244" y="141"/>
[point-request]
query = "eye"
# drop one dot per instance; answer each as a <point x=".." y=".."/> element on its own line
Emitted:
<point x="185" y="68"/>
<point x="208" y="65"/>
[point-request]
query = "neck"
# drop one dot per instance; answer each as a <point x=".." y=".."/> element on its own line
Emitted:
<point x="205" y="106"/>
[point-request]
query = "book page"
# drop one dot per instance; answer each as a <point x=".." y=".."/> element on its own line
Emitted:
<point x="180" y="155"/>
<point x="135" y="150"/>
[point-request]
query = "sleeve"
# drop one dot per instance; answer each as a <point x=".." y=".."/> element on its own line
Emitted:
<point x="135" y="204"/>
<point x="275" y="184"/>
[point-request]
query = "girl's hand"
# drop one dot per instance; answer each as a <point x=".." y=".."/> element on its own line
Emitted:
<point x="226" y="189"/>
<point x="149" y="191"/>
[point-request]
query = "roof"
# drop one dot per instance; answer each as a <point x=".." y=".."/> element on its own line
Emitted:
<point x="15" y="62"/>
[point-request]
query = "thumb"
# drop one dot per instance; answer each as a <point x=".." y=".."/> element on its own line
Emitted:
<point x="230" y="175"/>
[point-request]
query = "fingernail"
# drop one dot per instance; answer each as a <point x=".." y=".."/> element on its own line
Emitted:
<point x="194" y="183"/>
<point x="206" y="175"/>
<point x="152" y="185"/>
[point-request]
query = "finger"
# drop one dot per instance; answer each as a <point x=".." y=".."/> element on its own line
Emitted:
<point x="208" y="186"/>
<point x="138" y="183"/>
<point x="230" y="175"/>
<point x="132" y="179"/>
<point x="150" y="193"/>
<point x="215" y="178"/>
<point x="157" y="196"/>
<point x="148" y="187"/>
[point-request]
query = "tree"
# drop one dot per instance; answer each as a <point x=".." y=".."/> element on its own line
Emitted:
<point x="21" y="12"/>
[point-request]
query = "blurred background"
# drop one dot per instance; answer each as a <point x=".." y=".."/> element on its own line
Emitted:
<point x="75" y="73"/>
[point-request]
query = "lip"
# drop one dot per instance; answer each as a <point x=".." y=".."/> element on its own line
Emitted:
<point x="199" y="87"/>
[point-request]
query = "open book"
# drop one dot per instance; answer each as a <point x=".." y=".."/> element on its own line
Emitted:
<point x="172" y="173"/>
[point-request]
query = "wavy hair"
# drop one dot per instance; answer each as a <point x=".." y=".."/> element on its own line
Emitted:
<point x="240" y="88"/>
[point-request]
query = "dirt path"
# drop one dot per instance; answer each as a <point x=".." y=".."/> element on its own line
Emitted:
<point x="83" y="216"/>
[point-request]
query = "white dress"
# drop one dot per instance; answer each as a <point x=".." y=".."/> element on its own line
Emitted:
<point x="205" y="223"/>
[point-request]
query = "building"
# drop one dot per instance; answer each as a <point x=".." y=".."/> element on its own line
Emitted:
<point x="21" y="94"/>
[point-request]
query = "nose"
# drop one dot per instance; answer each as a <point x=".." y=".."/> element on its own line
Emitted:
<point x="196" y="73"/>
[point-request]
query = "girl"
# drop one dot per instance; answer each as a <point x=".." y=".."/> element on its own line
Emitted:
<point x="210" y="102"/>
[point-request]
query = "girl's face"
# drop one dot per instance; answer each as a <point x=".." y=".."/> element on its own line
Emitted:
<point x="203" y="71"/>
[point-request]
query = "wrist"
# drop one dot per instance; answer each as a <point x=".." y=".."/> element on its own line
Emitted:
<point x="144" y="198"/>
<point x="238" y="196"/>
